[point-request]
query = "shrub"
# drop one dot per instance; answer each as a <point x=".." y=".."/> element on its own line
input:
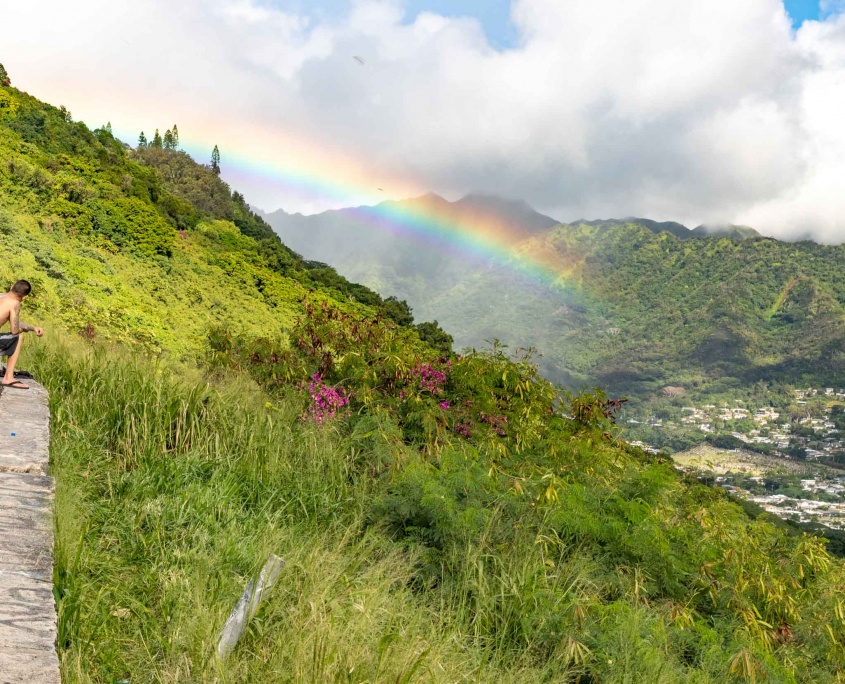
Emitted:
<point x="132" y="224"/>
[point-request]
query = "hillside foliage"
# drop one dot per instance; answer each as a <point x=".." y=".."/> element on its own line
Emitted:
<point x="114" y="230"/>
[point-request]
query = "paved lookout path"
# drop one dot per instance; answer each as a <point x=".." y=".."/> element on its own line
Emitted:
<point x="27" y="609"/>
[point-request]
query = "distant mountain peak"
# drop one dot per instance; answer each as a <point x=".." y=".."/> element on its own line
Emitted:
<point x="725" y="230"/>
<point x="679" y="230"/>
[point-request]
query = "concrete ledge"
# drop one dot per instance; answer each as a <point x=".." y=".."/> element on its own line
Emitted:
<point x="27" y="608"/>
<point x="26" y="413"/>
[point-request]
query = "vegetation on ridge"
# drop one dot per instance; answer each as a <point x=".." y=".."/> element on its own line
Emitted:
<point x="444" y="518"/>
<point x="638" y="306"/>
<point x="415" y="551"/>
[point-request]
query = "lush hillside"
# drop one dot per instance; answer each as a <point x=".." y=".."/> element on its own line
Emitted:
<point x="444" y="518"/>
<point x="144" y="246"/>
<point x="679" y="230"/>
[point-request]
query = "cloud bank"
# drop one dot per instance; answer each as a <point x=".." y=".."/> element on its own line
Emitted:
<point x="698" y="112"/>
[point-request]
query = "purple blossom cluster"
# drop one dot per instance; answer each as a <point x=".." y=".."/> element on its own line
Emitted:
<point x="327" y="401"/>
<point x="463" y="429"/>
<point x="498" y="423"/>
<point x="431" y="378"/>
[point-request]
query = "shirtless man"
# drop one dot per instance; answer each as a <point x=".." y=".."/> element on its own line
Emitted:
<point x="10" y="343"/>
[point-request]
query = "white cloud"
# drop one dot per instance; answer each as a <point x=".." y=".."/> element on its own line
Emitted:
<point x="815" y="204"/>
<point x="683" y="110"/>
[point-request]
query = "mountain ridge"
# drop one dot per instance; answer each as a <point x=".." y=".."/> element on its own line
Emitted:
<point x="521" y="215"/>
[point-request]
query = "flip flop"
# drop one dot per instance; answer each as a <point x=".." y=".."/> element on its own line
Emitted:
<point x="14" y="385"/>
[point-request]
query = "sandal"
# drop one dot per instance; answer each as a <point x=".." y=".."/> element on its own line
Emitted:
<point x="17" y="384"/>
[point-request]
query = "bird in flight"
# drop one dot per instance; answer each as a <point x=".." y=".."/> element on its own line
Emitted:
<point x="358" y="59"/>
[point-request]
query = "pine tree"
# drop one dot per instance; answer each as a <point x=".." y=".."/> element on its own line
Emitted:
<point x="142" y="141"/>
<point x="168" y="140"/>
<point x="4" y="77"/>
<point x="108" y="127"/>
<point x="215" y="160"/>
<point x="156" y="140"/>
<point x="175" y="132"/>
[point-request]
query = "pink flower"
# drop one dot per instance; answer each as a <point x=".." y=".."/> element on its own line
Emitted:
<point x="327" y="401"/>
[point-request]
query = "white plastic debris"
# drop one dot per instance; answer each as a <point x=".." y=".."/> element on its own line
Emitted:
<point x="247" y="606"/>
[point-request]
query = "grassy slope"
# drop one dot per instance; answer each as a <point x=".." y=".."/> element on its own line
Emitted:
<point x="164" y="306"/>
<point x="535" y="549"/>
<point x="173" y="490"/>
<point x="82" y="279"/>
<point x="156" y="542"/>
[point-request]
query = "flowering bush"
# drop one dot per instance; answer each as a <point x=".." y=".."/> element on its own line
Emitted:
<point x="326" y="401"/>
<point x="431" y="378"/>
<point x="463" y="428"/>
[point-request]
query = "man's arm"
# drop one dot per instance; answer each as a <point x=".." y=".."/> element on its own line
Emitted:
<point x="17" y="325"/>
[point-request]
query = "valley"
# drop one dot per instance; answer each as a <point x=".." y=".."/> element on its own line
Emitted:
<point x="719" y="338"/>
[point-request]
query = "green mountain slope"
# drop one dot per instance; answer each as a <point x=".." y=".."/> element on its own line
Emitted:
<point x="144" y="246"/>
<point x="444" y="518"/>
<point x="643" y="305"/>
<point x="714" y="310"/>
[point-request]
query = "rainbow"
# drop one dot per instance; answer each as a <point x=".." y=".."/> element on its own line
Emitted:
<point x="483" y="237"/>
<point x="325" y="177"/>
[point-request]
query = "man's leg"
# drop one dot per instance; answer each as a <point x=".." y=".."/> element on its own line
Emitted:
<point x="12" y="361"/>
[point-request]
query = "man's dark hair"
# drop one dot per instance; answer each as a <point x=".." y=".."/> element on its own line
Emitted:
<point x="22" y="288"/>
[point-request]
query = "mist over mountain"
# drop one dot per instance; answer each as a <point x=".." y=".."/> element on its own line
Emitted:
<point x="335" y="236"/>
<point x="390" y="256"/>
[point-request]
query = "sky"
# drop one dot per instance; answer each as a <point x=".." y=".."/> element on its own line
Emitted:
<point x="730" y="111"/>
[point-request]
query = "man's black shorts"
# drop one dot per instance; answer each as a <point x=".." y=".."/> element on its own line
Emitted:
<point x="8" y="344"/>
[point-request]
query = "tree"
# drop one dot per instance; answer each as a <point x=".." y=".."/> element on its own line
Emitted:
<point x="433" y="334"/>
<point x="108" y="128"/>
<point x="4" y="77"/>
<point x="215" y="160"/>
<point x="142" y="141"/>
<point x="168" y="140"/>
<point x="156" y="140"/>
<point x="398" y="310"/>
<point x="175" y="134"/>
<point x="66" y="116"/>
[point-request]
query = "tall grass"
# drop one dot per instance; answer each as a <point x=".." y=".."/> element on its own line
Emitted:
<point x="171" y="492"/>
<point x="173" y="488"/>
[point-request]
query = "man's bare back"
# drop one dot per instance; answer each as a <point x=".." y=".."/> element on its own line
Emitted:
<point x="10" y="309"/>
<point x="10" y="343"/>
